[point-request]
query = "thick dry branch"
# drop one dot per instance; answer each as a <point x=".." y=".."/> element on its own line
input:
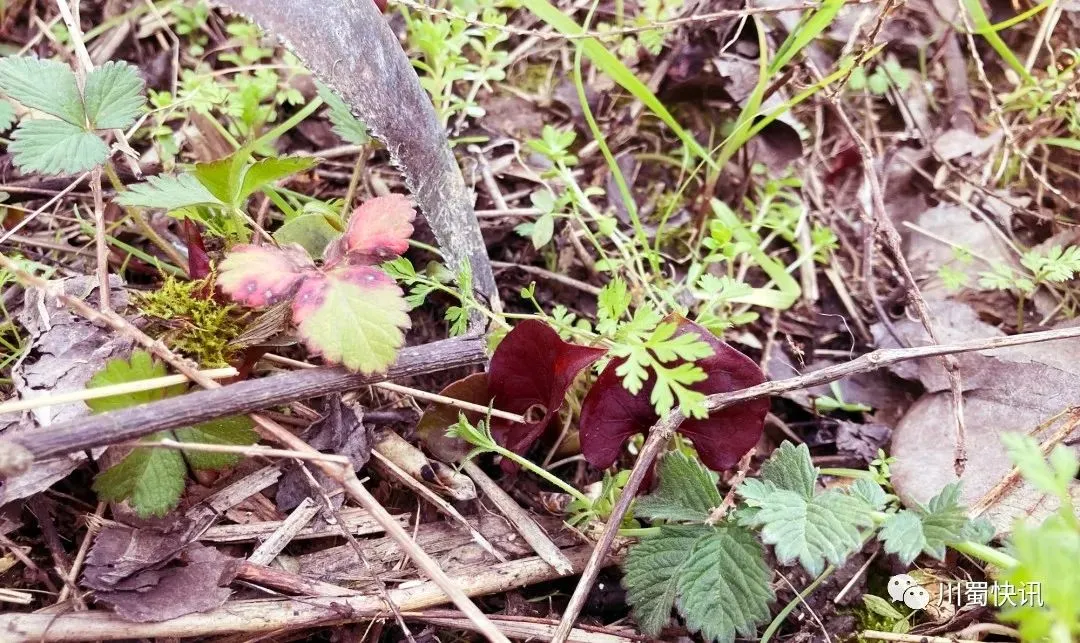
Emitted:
<point x="277" y="615"/>
<point x="236" y="399"/>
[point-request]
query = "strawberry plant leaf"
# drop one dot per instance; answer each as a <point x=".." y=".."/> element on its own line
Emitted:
<point x="152" y="480"/>
<point x="168" y="193"/>
<point x="233" y="431"/>
<point x="56" y="147"/>
<point x="687" y="491"/>
<point x="45" y="85"/>
<point x="352" y="316"/>
<point x="801" y="525"/>
<point x="113" y="95"/>
<point x="610" y="413"/>
<point x="379" y="229"/>
<point x="930" y="529"/>
<point x="265" y="172"/>
<point x="532" y="369"/>
<point x="260" y="276"/>
<point x="223" y="177"/>
<point x="716" y="575"/>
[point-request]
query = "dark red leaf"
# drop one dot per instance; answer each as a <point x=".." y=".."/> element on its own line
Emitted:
<point x="198" y="259"/>
<point x="610" y="414"/>
<point x="530" y="373"/>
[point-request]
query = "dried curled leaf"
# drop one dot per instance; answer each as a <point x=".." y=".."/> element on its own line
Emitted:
<point x="610" y="414"/>
<point x="260" y="276"/>
<point x="352" y="316"/>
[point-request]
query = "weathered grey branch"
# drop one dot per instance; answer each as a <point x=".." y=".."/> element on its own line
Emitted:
<point x="349" y="46"/>
<point x="236" y="399"/>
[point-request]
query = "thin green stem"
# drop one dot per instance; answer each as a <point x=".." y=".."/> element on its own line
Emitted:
<point x="639" y="532"/>
<point x="799" y="598"/>
<point x="986" y="554"/>
<point x="288" y="124"/>
<point x="543" y="473"/>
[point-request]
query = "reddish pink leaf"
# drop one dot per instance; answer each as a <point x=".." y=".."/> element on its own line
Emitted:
<point x="352" y="316"/>
<point x="198" y="259"/>
<point x="610" y="414"/>
<point x="530" y="373"/>
<point x="379" y="229"/>
<point x="259" y="276"/>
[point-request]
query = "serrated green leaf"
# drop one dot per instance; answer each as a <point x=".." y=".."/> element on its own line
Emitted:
<point x="927" y="529"/>
<point x="717" y="575"/>
<point x="723" y="587"/>
<point x="56" y="147"/>
<point x="687" y="491"/>
<point x="167" y="193"/>
<point x="113" y="96"/>
<point x="141" y="366"/>
<point x="811" y="530"/>
<point x="45" y="85"/>
<point x="1053" y="477"/>
<point x="881" y="607"/>
<point x="651" y="574"/>
<point x="345" y="125"/>
<point x="234" y="431"/>
<point x="7" y="115"/>
<point x="265" y="172"/>
<point x="152" y="480"/>
<point x="791" y="468"/>
<point x="352" y="316"/>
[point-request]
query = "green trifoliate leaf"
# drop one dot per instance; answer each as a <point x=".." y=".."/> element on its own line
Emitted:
<point x="687" y="491"/>
<point x="113" y="96"/>
<point x="167" y="193"/>
<point x="45" y="85"/>
<point x="928" y="529"/>
<point x="152" y="480"/>
<point x="56" y="147"/>
<point x="345" y="125"/>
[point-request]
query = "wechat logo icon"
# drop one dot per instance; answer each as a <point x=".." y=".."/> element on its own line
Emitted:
<point x="904" y="589"/>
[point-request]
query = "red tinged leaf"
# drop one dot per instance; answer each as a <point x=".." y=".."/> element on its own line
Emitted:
<point x="198" y="258"/>
<point x="379" y="229"/>
<point x="260" y="276"/>
<point x="610" y="414"/>
<point x="352" y="316"/>
<point x="438" y="418"/>
<point x="530" y="373"/>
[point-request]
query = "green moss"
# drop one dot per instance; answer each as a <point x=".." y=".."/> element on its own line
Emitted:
<point x="192" y="322"/>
